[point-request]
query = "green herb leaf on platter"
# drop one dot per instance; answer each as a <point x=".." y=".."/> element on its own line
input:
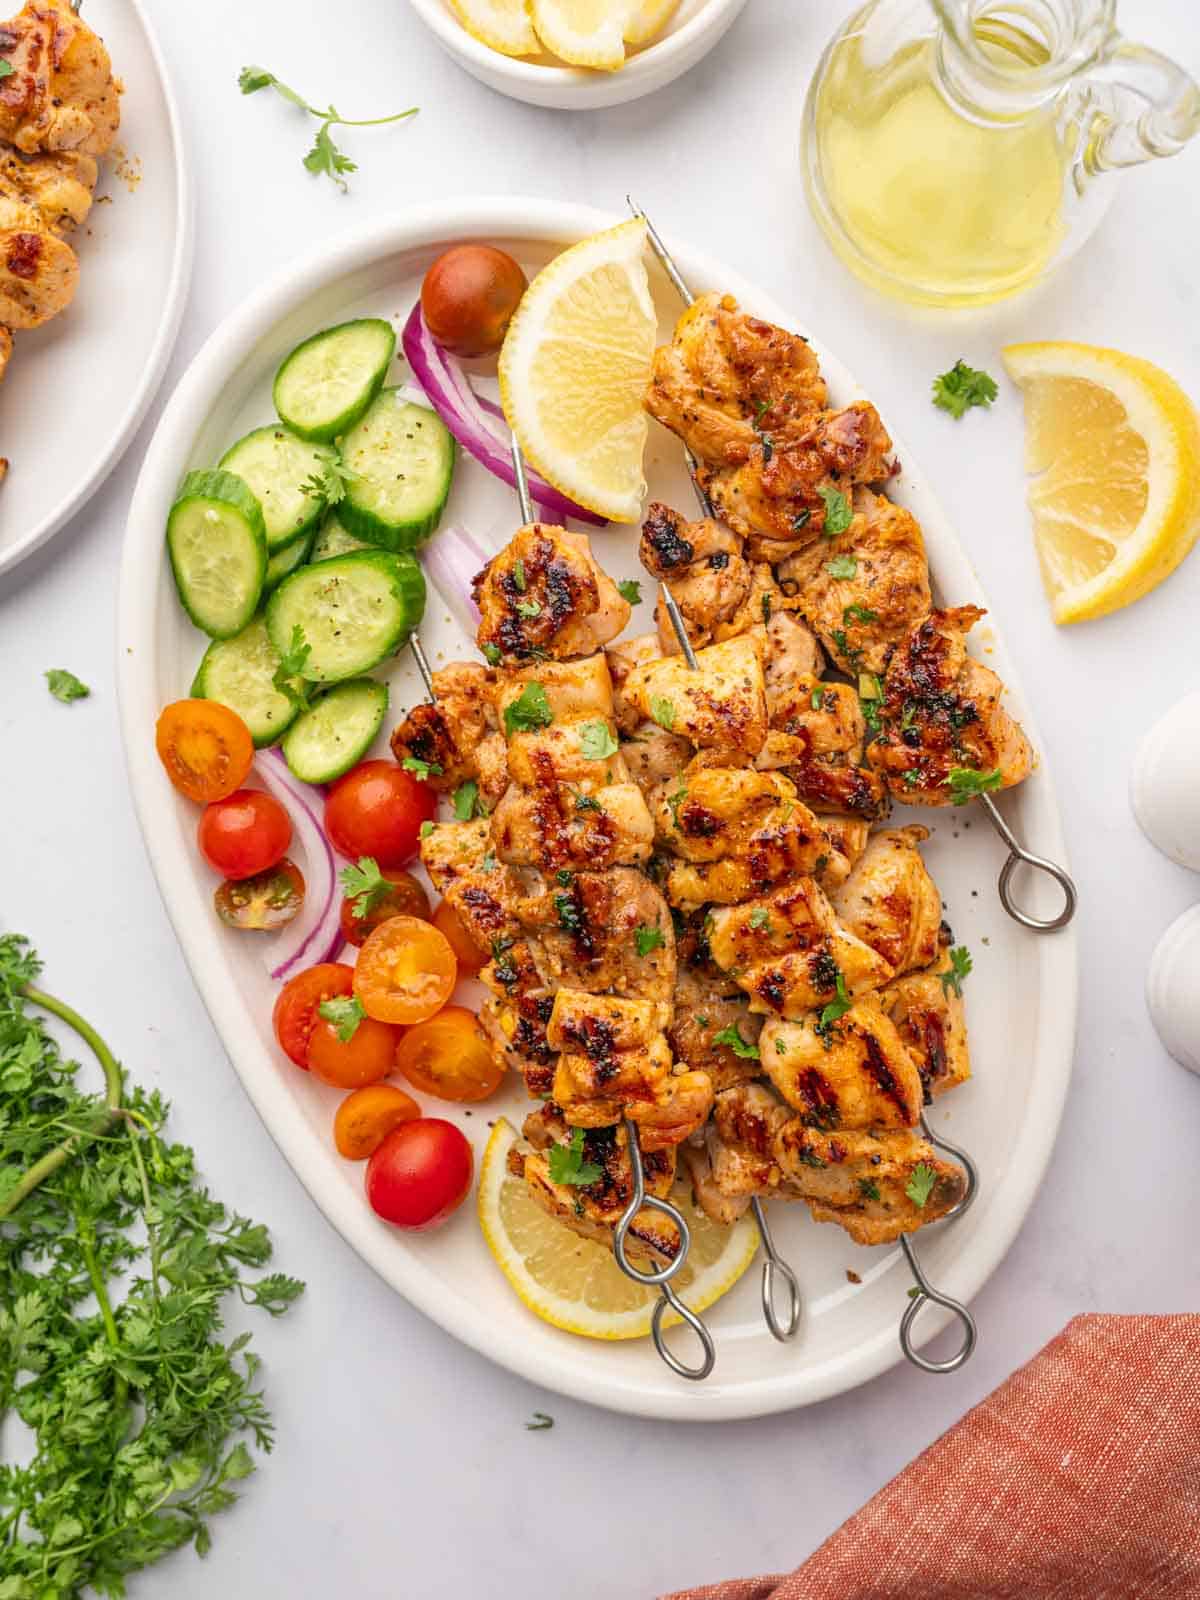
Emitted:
<point x="65" y="686"/>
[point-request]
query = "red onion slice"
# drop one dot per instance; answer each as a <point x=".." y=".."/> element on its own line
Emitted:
<point x="451" y="559"/>
<point x="316" y="934"/>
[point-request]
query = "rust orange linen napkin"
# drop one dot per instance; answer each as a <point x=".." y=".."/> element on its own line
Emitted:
<point x="1078" y="1479"/>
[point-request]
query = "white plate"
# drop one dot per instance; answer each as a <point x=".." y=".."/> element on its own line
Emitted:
<point x="77" y="389"/>
<point x="1020" y="999"/>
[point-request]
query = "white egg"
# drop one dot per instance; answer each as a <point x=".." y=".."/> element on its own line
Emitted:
<point x="1165" y="788"/>
<point x="1173" y="989"/>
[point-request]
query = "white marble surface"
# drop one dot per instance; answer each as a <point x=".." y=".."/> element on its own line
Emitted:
<point x="403" y="1464"/>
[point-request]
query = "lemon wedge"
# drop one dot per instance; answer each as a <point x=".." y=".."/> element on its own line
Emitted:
<point x="574" y="1283"/>
<point x="502" y="24"/>
<point x="585" y="33"/>
<point x="648" y="20"/>
<point x="1113" y="453"/>
<point x="574" y="368"/>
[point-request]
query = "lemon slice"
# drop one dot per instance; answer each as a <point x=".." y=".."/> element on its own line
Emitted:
<point x="586" y="33"/>
<point x="574" y="368"/>
<point x="574" y="1283"/>
<point x="1113" y="450"/>
<point x="502" y="24"/>
<point x="648" y="20"/>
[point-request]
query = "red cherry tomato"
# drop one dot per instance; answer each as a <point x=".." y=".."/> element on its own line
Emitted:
<point x="245" y="833"/>
<point x="420" y="1173"/>
<point x="267" y="901"/>
<point x="295" y="1013"/>
<point x="349" y="1059"/>
<point x="469" y="296"/>
<point x="406" y="898"/>
<point x="377" y="810"/>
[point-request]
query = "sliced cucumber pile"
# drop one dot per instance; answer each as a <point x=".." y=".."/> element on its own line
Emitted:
<point x="276" y="465"/>
<point x="326" y="384"/>
<point x="218" y="549"/>
<point x="287" y="558"/>
<point x="333" y="540"/>
<point x="239" y="672"/>
<point x="401" y="461"/>
<point x="354" y="611"/>
<point x="337" y="732"/>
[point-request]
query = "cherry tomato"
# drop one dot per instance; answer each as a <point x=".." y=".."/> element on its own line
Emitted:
<point x="267" y="901"/>
<point x="406" y="971"/>
<point x="467" y="953"/>
<point x="448" y="1056"/>
<point x="365" y="1118"/>
<point x="205" y="747"/>
<point x="295" y="1013"/>
<point x="420" y="1173"/>
<point x="348" y="1059"/>
<point x="469" y="296"/>
<point x="377" y="810"/>
<point x="244" y="834"/>
<point x="406" y="899"/>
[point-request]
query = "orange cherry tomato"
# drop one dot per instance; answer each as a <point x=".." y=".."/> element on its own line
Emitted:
<point x="267" y="901"/>
<point x="467" y="953"/>
<point x="205" y="747"/>
<point x="365" y="1118"/>
<point x="420" y="1173"/>
<point x="469" y="296"/>
<point x="295" y="1013"/>
<point x="407" y="899"/>
<point x="367" y="1055"/>
<point x="448" y="1056"/>
<point x="406" y="971"/>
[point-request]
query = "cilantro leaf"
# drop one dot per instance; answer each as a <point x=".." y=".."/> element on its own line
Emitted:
<point x="842" y="567"/>
<point x="960" y="966"/>
<point x="760" y="918"/>
<point x="838" y="515"/>
<point x="647" y="939"/>
<point x="732" y="1036"/>
<point x="567" y="1164"/>
<point x="466" y="801"/>
<point x="630" y="589"/>
<point x="518" y="575"/>
<point x="857" y="613"/>
<point x="324" y="159"/>
<point x="426" y="829"/>
<point x="65" y="686"/>
<point x="596" y="742"/>
<point x="965" y="783"/>
<point x="837" y="1007"/>
<point x="288" y="677"/>
<point x="674" y="801"/>
<point x="868" y="1189"/>
<point x="491" y="654"/>
<point x="962" y="387"/>
<point x="421" y="769"/>
<point x="345" y="1011"/>
<point x="817" y="698"/>
<point x="920" y="1183"/>
<point x="540" y="1422"/>
<point x="365" y="886"/>
<point x="663" y="711"/>
<point x="330" y="483"/>
<point x="531" y="709"/>
<point x="6" y="69"/>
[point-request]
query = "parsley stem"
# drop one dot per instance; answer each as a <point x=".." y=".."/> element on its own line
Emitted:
<point x="365" y="122"/>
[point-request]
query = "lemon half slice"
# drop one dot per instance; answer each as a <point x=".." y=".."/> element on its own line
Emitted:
<point x="574" y="1283"/>
<point x="502" y="24"/>
<point x="1113" y="452"/>
<point x="585" y="33"/>
<point x="574" y="368"/>
<point x="649" y="18"/>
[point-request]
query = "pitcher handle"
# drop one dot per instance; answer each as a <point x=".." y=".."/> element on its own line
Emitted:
<point x="1166" y="113"/>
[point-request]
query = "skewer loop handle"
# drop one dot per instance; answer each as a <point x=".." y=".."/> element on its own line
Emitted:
<point x="926" y="1293"/>
<point x="639" y="1200"/>
<point x="1018" y="856"/>
<point x="669" y="1299"/>
<point x="774" y="1268"/>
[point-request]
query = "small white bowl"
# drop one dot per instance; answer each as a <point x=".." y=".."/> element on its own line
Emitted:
<point x="1165" y="787"/>
<point x="1173" y="989"/>
<point x="691" y="33"/>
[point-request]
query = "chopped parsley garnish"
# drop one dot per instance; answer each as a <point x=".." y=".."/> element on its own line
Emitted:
<point x="518" y="575"/>
<point x="647" y="939"/>
<point x="529" y="608"/>
<point x="630" y="589"/>
<point x="780" y="1047"/>
<point x="64" y="685"/>
<point x="491" y="654"/>
<point x="868" y="1189"/>
<point x="838" y="1006"/>
<point x="920" y="1184"/>
<point x="330" y="483"/>
<point x="565" y="876"/>
<point x="586" y="802"/>
<point x="426" y="829"/>
<point x="531" y="709"/>
<point x="570" y="917"/>
<point x="960" y="966"/>
<point x="6" y="69"/>
<point x="488" y="864"/>
<point x="567" y="1164"/>
<point x="596" y="741"/>
<point x="842" y="567"/>
<point x="801" y="521"/>
<point x="909" y="716"/>
<point x="674" y="801"/>
<point x="817" y="698"/>
<point x="291" y="667"/>
<point x="851" y="652"/>
<point x="838" y="515"/>
<point x="962" y="387"/>
<point x="760" y="918"/>
<point x="466" y="801"/>
<point x="965" y="783"/>
<point x="857" y="613"/>
<point x="732" y="1036"/>
<point x="420" y="769"/>
<point x="540" y="1422"/>
<point x="766" y="608"/>
<point x="872" y="715"/>
<point x="345" y="1012"/>
<point x="663" y="712"/>
<point x="365" y="886"/>
<point x="911" y="777"/>
<point x="324" y="158"/>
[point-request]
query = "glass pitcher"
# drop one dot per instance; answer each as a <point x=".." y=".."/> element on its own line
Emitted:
<point x="952" y="147"/>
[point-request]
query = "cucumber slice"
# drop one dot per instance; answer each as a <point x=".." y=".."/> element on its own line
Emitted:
<point x="276" y="463"/>
<point x="337" y="732"/>
<point x="327" y="382"/>
<point x="287" y="558"/>
<point x="402" y="460"/>
<point x="218" y="549"/>
<point x="353" y="611"/>
<point x="238" y="672"/>
<point x="333" y="540"/>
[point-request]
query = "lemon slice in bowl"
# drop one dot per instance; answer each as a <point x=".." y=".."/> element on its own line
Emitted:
<point x="585" y="33"/>
<point x="502" y="24"/>
<point x="648" y="20"/>
<point x="574" y="368"/>
<point x="1113" y="453"/>
<point x="574" y="1283"/>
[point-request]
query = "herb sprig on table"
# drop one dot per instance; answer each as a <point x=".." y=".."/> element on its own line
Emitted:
<point x="325" y="158"/>
<point x="115" y="1267"/>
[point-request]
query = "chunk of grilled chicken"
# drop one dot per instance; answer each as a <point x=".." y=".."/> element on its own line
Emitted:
<point x="555" y="826"/>
<point x="679" y="1108"/>
<point x="697" y="1156"/>
<point x="865" y="588"/>
<point x="746" y="1121"/>
<point x="945" y="735"/>
<point x="709" y="1008"/>
<point x="736" y="830"/>
<point x="38" y="270"/>
<point x="724" y="372"/>
<point x="60" y="93"/>
<point x="791" y="652"/>
<point x="446" y="736"/>
<point x="459" y="860"/>
<point x="929" y="1018"/>
<point x="788" y="952"/>
<point x="856" y="1072"/>
<point x="587" y="934"/>
<point x="890" y="901"/>
<point x="622" y="658"/>
<point x="58" y="185"/>
<point x="6" y="345"/>
<point x="847" y="840"/>
<point x="545" y="595"/>
<point x="817" y="737"/>
<point x="703" y="563"/>
<point x="720" y="706"/>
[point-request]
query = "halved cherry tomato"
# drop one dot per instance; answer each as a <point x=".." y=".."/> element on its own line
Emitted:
<point x="448" y="1056"/>
<point x="420" y="1173"/>
<point x="469" y="296"/>
<point x="205" y="747"/>
<point x="406" y="899"/>
<point x="350" y="1059"/>
<point x="267" y="901"/>
<point x="467" y="953"/>
<point x="245" y="833"/>
<point x="295" y="1013"/>
<point x="365" y="1118"/>
<point x="406" y="971"/>
<point x="377" y="810"/>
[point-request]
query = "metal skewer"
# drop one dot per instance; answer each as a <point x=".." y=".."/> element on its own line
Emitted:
<point x="925" y="1292"/>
